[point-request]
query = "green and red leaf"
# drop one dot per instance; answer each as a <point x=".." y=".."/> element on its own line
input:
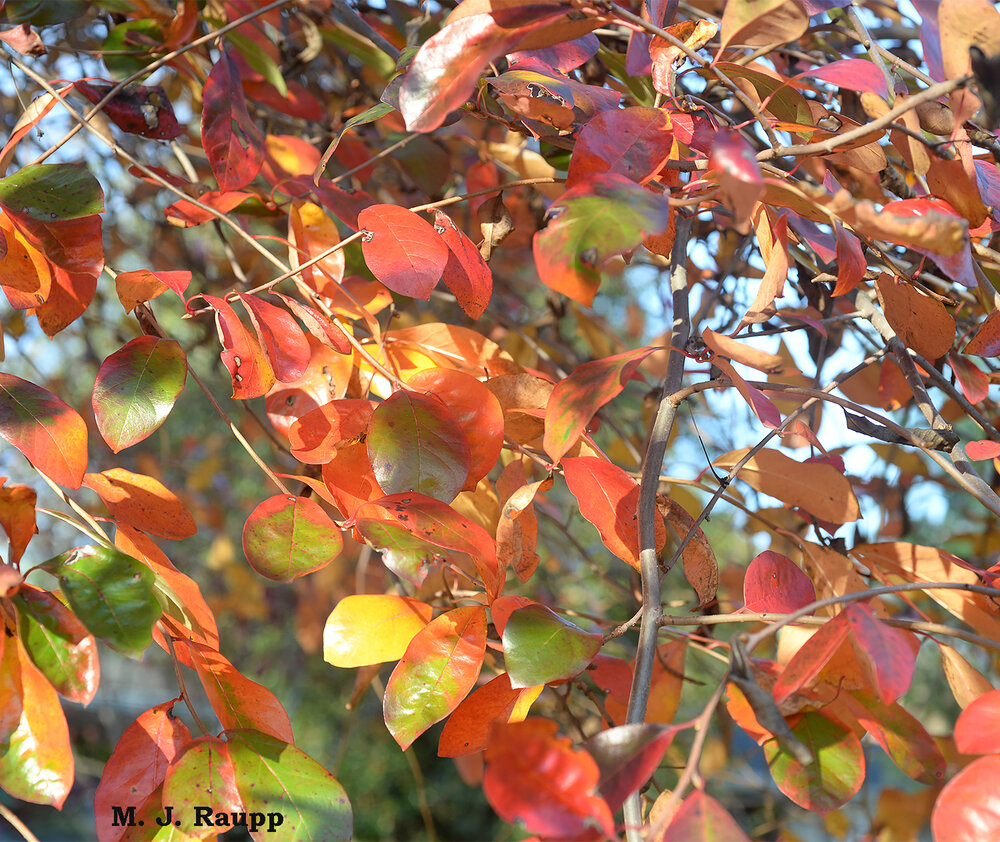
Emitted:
<point x="835" y="775"/>
<point x="136" y="388"/>
<point x="439" y="668"/>
<point x="49" y="432"/>
<point x="287" y="537"/>
<point x="415" y="444"/>
<point x="202" y="776"/>
<point x="592" y="222"/>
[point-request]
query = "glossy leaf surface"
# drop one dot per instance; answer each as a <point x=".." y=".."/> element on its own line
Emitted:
<point x="142" y="502"/>
<point x="111" y="593"/>
<point x="439" y="668"/>
<point x="415" y="444"/>
<point x="275" y="776"/>
<point x="136" y="388"/>
<point x="369" y="629"/>
<point x="538" y="778"/>
<point x="774" y="583"/>
<point x="540" y="646"/>
<point x="402" y="250"/>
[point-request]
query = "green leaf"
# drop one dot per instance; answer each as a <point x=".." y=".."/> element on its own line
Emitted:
<point x="540" y="646"/>
<point x="276" y="778"/>
<point x="595" y="220"/>
<point x="415" y="444"/>
<point x="112" y="595"/>
<point x="259" y="60"/>
<point x="52" y="192"/>
<point x="286" y="537"/>
<point x="58" y="643"/>
<point x="833" y="778"/>
<point x="136" y="388"/>
<point x="641" y="87"/>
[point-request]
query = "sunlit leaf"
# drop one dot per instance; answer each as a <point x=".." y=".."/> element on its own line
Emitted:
<point x="968" y="808"/>
<point x="439" y="668"/>
<point x="287" y="537"/>
<point x="52" y="192"/>
<point x="49" y="432"/>
<point x="111" y="593"/>
<point x="142" y="502"/>
<point x="540" y="646"/>
<point x="201" y="777"/>
<point x="368" y="629"/>
<point x="627" y="756"/>
<point x="58" y="644"/>
<point x="275" y="777"/>
<point x="602" y="217"/>
<point x="402" y="249"/>
<point x="774" y="583"/>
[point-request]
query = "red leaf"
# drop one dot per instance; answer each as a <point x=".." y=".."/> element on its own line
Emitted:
<point x="633" y="142"/>
<point x="575" y="400"/>
<point x="286" y="345"/>
<point x="762" y="406"/>
<point x="740" y="181"/>
<point x="977" y="730"/>
<point x="138" y="109"/>
<point x="349" y="478"/>
<point x="233" y="143"/>
<point x="627" y="757"/>
<point x="466" y="274"/>
<point x="609" y="498"/>
<point x="138" y="765"/>
<point x="187" y="214"/>
<point x="702" y="819"/>
<point x="986" y="449"/>
<point x="774" y="246"/>
<point x="242" y="354"/>
<point x="318" y="325"/>
<point x="538" y="778"/>
<point x="986" y="342"/>
<point x="975" y="384"/>
<point x="855" y="74"/>
<point x="49" y="432"/>
<point x="439" y="669"/>
<point x="968" y="808"/>
<point x="884" y="652"/>
<point x="443" y="73"/>
<point x="402" y="250"/>
<point x="851" y="263"/>
<point x="812" y="656"/>
<point x="468" y="728"/>
<point x="774" y="583"/>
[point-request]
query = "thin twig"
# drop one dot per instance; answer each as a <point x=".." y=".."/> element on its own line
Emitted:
<point x="17" y="824"/>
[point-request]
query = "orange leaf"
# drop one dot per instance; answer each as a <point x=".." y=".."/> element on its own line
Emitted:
<point x="920" y="321"/>
<point x="816" y="487"/>
<point x="143" y="502"/>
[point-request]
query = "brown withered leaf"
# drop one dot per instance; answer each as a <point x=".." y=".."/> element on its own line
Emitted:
<point x="701" y="568"/>
<point x="495" y="222"/>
